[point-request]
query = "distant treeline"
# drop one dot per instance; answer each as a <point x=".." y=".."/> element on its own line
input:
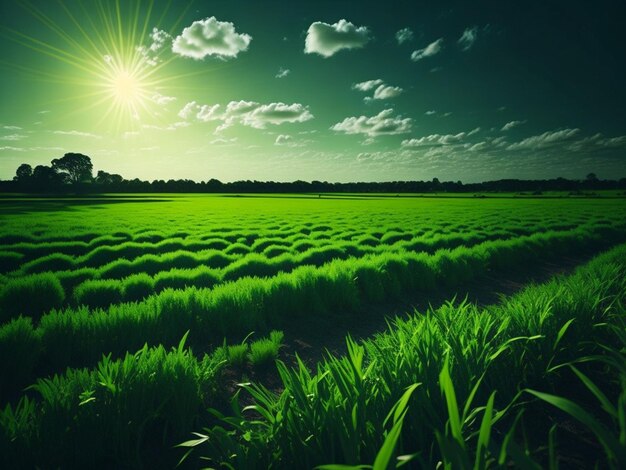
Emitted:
<point x="73" y="173"/>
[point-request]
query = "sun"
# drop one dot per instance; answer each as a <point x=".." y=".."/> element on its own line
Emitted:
<point x="126" y="86"/>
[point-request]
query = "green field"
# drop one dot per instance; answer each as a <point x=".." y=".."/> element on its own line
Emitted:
<point x="128" y="322"/>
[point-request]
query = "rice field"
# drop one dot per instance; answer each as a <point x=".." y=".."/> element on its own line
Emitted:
<point x="126" y="324"/>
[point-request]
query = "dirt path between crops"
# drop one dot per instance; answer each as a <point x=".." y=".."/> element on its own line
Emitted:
<point x="311" y="340"/>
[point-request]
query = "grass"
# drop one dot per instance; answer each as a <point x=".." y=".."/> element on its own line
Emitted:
<point x="439" y="388"/>
<point x="81" y="290"/>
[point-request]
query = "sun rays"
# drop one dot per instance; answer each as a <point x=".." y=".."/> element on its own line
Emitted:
<point x="102" y="57"/>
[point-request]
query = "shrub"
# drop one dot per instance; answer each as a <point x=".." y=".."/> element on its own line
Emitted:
<point x="31" y="295"/>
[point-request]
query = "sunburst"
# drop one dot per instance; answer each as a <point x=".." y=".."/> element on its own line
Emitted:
<point x="103" y="50"/>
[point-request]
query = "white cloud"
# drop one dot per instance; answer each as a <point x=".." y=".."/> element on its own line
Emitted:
<point x="326" y="39"/>
<point x="432" y="49"/>
<point x="367" y="85"/>
<point x="247" y="113"/>
<point x="208" y="113"/>
<point x="12" y="149"/>
<point x="544" y="140"/>
<point x="276" y="114"/>
<point x="430" y="112"/>
<point x="384" y="123"/>
<point x="468" y="38"/>
<point x="381" y="90"/>
<point x="162" y="100"/>
<point x="12" y="128"/>
<point x="282" y="72"/>
<point x="404" y="35"/>
<point x="512" y="124"/>
<point x="151" y="54"/>
<point x="222" y="141"/>
<point x="283" y="139"/>
<point x="13" y="137"/>
<point x="437" y="139"/>
<point x="210" y="37"/>
<point x="77" y="134"/>
<point x="384" y="92"/>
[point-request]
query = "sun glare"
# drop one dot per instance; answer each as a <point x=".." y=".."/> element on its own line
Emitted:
<point x="125" y="87"/>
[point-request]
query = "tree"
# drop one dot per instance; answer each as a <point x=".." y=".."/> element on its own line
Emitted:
<point x="592" y="177"/>
<point x="75" y="167"/>
<point x="45" y="178"/>
<point x="23" y="173"/>
<point x="108" y="178"/>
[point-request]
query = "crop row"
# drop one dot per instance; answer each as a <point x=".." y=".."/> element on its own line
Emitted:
<point x="28" y="258"/>
<point x="75" y="337"/>
<point x="124" y="281"/>
<point x="114" y="412"/>
<point x="451" y="387"/>
<point x="430" y="381"/>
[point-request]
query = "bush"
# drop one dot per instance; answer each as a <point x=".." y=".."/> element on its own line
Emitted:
<point x="30" y="295"/>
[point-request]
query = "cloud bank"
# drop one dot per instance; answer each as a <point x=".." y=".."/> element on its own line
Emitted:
<point x="247" y="113"/>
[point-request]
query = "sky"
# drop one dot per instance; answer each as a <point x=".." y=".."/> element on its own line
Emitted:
<point x="316" y="90"/>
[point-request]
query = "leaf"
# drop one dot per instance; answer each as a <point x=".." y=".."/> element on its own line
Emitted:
<point x="447" y="388"/>
<point x="386" y="451"/>
<point x="609" y="442"/>
<point x="485" y="432"/>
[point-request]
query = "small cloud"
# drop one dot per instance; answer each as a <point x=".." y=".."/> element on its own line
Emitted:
<point x="13" y="137"/>
<point x="162" y="100"/>
<point x="283" y="139"/>
<point x="384" y="92"/>
<point x="151" y="54"/>
<point x="45" y="111"/>
<point x="210" y="37"/>
<point x="432" y="49"/>
<point x="77" y="134"/>
<point x="367" y="85"/>
<point x="468" y="38"/>
<point x="437" y="139"/>
<point x="282" y="72"/>
<point x="381" y="90"/>
<point x="430" y="112"/>
<point x="12" y="128"/>
<point x="223" y="141"/>
<point x="326" y="39"/>
<point x="543" y="140"/>
<point x="12" y="149"/>
<point x="384" y="123"/>
<point x="404" y="35"/>
<point x="512" y="124"/>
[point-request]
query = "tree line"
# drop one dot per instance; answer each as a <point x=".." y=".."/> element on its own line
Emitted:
<point x="73" y="173"/>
